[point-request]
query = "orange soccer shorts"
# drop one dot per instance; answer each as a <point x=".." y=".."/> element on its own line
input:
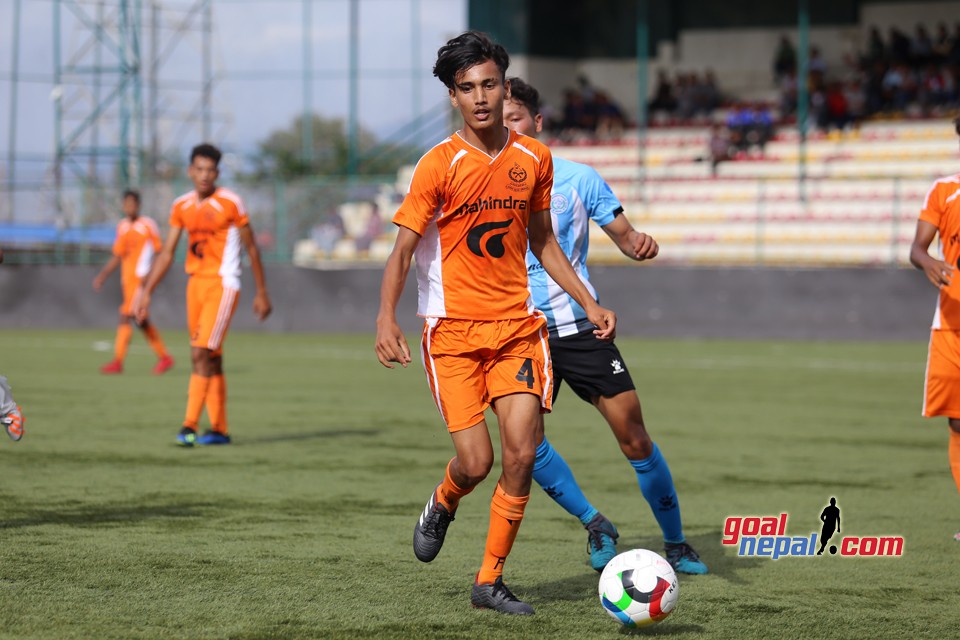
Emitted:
<point x="131" y="291"/>
<point x="470" y="363"/>
<point x="210" y="308"/>
<point x="941" y="388"/>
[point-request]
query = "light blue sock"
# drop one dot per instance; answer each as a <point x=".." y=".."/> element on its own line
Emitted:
<point x="553" y="475"/>
<point x="656" y="484"/>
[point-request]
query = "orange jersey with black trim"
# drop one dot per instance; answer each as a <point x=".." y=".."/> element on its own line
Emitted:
<point x="136" y="244"/>
<point x="941" y="208"/>
<point x="213" y="233"/>
<point x="472" y="213"/>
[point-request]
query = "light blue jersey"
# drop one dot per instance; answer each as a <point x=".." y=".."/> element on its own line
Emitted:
<point x="579" y="195"/>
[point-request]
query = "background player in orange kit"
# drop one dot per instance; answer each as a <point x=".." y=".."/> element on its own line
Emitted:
<point x="137" y="241"/>
<point x="474" y="200"/>
<point x="941" y="389"/>
<point x="217" y="225"/>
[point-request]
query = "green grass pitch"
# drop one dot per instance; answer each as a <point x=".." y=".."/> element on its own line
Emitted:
<point x="302" y="528"/>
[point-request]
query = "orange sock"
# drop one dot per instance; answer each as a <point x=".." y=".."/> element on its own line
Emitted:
<point x="506" y="514"/>
<point x="954" y="453"/>
<point x="196" y="395"/>
<point x="124" y="331"/>
<point x="156" y="343"/>
<point x="449" y="493"/>
<point x="217" y="403"/>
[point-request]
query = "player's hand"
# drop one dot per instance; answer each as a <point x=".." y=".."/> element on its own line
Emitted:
<point x="391" y="345"/>
<point x="98" y="282"/>
<point x="141" y="307"/>
<point x="262" y="306"/>
<point x="939" y="273"/>
<point x="605" y="320"/>
<point x="644" y="247"/>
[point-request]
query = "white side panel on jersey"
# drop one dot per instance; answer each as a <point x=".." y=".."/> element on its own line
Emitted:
<point x="431" y="301"/>
<point x="230" y="266"/>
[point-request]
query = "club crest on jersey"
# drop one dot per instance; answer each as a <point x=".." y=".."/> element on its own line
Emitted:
<point x="558" y="203"/>
<point x="518" y="174"/>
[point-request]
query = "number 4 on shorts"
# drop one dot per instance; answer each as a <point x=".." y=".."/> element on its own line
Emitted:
<point x="526" y="373"/>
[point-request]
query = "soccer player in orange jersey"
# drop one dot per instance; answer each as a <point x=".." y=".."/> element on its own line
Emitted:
<point x="474" y="200"/>
<point x="941" y="216"/>
<point x="217" y="225"/>
<point x="137" y="241"/>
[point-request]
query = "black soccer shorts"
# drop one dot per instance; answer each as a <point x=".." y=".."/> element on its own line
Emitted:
<point x="590" y="366"/>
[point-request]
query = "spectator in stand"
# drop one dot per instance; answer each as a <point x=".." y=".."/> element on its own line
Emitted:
<point x="610" y="119"/>
<point x="876" y="50"/>
<point x="720" y="149"/>
<point x="784" y="60"/>
<point x="759" y="127"/>
<point x="898" y="51"/>
<point x="942" y="44"/>
<point x="663" y="97"/>
<point x="788" y="93"/>
<point x="816" y="63"/>
<point x="837" y="109"/>
<point x="328" y="232"/>
<point x="577" y="116"/>
<point x="921" y="47"/>
<point x="710" y="93"/>
<point x="371" y="232"/>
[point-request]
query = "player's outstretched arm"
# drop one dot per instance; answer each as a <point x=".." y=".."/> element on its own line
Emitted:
<point x="633" y="244"/>
<point x="141" y="306"/>
<point x="938" y="272"/>
<point x="547" y="250"/>
<point x="261" y="300"/>
<point x="391" y="345"/>
<point x="108" y="268"/>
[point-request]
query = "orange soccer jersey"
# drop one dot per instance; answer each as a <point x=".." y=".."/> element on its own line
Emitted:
<point x="213" y="234"/>
<point x="941" y="392"/>
<point x="471" y="212"/>
<point x="941" y="208"/>
<point x="135" y="245"/>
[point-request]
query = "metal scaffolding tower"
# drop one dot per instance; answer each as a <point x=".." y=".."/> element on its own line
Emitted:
<point x="109" y="97"/>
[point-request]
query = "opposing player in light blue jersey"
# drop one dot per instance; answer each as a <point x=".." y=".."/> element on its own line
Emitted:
<point x="594" y="369"/>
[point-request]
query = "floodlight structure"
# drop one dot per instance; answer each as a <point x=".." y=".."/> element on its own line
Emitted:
<point x="97" y="92"/>
<point x="110" y="95"/>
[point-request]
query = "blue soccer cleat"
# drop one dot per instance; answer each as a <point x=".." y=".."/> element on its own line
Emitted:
<point x="213" y="437"/>
<point x="601" y="541"/>
<point x="187" y="437"/>
<point x="684" y="559"/>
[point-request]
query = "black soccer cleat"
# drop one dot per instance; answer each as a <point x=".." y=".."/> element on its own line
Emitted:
<point x="430" y="529"/>
<point x="498" y="597"/>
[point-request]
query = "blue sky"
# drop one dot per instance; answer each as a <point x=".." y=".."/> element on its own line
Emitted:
<point x="258" y="56"/>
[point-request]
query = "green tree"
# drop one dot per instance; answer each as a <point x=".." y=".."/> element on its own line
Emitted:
<point x="282" y="154"/>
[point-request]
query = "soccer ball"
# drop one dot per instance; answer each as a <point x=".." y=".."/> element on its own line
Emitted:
<point x="638" y="588"/>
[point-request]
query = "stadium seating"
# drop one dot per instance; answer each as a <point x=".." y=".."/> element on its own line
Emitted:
<point x="857" y="205"/>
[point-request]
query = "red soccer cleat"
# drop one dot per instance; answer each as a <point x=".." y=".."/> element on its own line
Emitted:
<point x="114" y="366"/>
<point x="164" y="363"/>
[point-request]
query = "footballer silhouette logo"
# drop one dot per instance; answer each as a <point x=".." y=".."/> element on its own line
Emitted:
<point x="494" y="240"/>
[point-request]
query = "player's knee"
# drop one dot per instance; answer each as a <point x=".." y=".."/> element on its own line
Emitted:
<point x="474" y="470"/>
<point x="519" y="460"/>
<point x="636" y="445"/>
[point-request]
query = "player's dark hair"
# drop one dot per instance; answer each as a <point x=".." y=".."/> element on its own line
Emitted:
<point x="206" y="150"/>
<point x="467" y="50"/>
<point x="132" y="193"/>
<point x="525" y="94"/>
